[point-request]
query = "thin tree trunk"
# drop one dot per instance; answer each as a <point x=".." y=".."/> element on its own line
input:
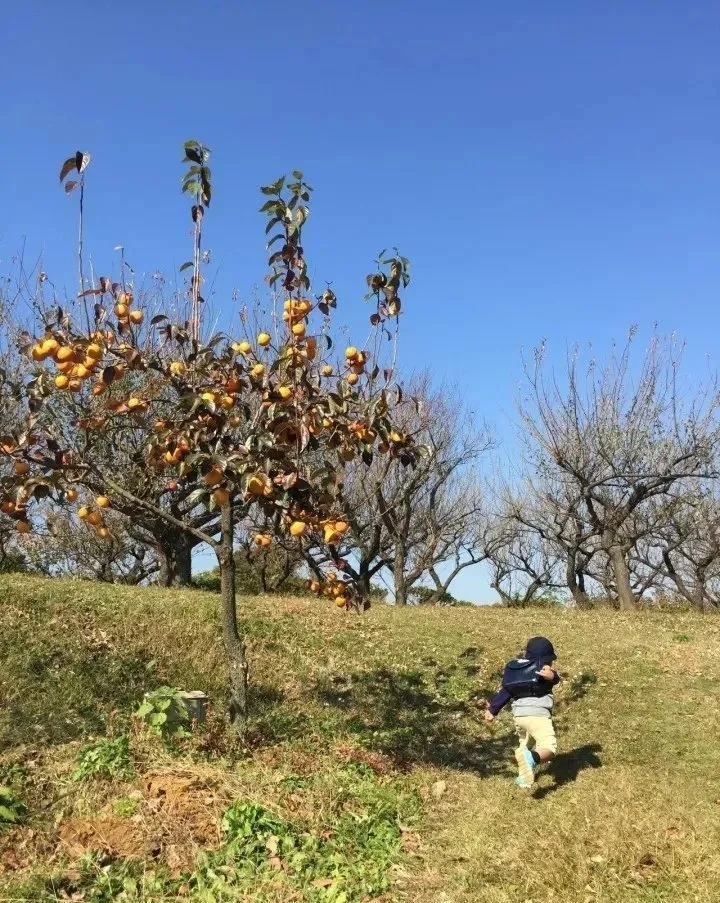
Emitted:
<point x="700" y="596"/>
<point x="400" y="584"/>
<point x="531" y="591"/>
<point x="576" y="583"/>
<point x="689" y="593"/>
<point x="234" y="643"/>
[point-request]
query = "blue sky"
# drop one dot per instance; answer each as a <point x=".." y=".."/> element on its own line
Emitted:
<point x="550" y="169"/>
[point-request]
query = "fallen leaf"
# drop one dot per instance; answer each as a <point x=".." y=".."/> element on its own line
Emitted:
<point x="271" y="845"/>
<point x="438" y="789"/>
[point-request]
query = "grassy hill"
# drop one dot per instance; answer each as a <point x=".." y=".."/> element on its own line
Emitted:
<point x="366" y="774"/>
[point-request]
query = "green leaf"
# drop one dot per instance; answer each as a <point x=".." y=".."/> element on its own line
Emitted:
<point x="275" y="188"/>
<point x="197" y="495"/>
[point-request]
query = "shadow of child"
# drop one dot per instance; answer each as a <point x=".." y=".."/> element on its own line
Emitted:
<point x="565" y="767"/>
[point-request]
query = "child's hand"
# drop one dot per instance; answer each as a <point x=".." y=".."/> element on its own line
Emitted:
<point x="547" y="672"/>
<point x="488" y="716"/>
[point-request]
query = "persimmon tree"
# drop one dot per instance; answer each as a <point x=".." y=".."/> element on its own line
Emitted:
<point x="266" y="422"/>
<point x="125" y="449"/>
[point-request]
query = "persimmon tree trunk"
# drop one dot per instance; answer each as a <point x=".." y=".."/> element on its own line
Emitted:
<point x="234" y="643"/>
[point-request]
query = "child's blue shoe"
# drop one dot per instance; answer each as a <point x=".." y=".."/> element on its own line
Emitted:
<point x="526" y="766"/>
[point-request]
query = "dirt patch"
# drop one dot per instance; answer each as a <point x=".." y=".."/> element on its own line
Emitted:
<point x="178" y="815"/>
<point x="187" y="807"/>
<point x="114" y="838"/>
<point x="378" y="762"/>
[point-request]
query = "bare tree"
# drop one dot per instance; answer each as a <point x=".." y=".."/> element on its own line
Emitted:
<point x="62" y="549"/>
<point x="433" y="514"/>
<point x="547" y="514"/>
<point x="617" y="443"/>
<point x="690" y="549"/>
<point x="523" y="565"/>
<point x="420" y="524"/>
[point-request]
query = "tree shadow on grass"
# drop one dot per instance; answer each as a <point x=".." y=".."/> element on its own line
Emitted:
<point x="408" y="717"/>
<point x="65" y="691"/>
<point x="565" y="767"/>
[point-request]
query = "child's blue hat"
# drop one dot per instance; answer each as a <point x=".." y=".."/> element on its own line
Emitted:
<point x="541" y="650"/>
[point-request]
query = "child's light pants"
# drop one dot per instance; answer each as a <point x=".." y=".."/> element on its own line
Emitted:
<point x="538" y="728"/>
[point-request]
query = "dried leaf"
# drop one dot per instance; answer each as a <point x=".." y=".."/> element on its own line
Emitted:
<point x="438" y="789"/>
<point x="67" y="167"/>
<point x="71" y="186"/>
<point x="272" y="844"/>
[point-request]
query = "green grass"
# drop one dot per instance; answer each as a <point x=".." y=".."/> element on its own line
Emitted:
<point x="354" y="719"/>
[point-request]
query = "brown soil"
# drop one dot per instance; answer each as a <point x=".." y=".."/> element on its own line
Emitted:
<point x="178" y="815"/>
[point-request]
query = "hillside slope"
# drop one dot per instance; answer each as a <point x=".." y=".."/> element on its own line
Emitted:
<point x="365" y="749"/>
